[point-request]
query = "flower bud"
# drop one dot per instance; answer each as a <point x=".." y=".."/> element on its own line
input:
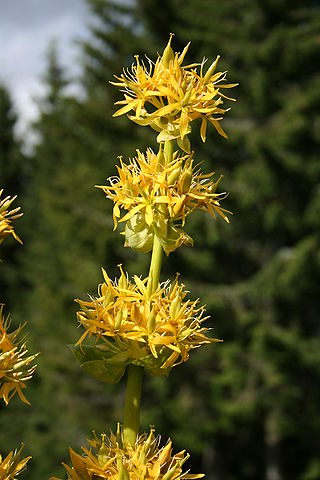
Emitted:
<point x="175" y="306"/>
<point x="211" y="70"/>
<point x="123" y="472"/>
<point x="103" y="453"/>
<point x="22" y="363"/>
<point x="174" y="174"/>
<point x="151" y="321"/>
<point x="165" y="453"/>
<point x="187" y="179"/>
<point x="170" y="473"/>
<point x="118" y="435"/>
<point x="128" y="190"/>
<point x="160" y="160"/>
<point x="118" y="320"/>
<point x="214" y="186"/>
<point x="108" y="296"/>
<point x="168" y="54"/>
<point x="123" y="281"/>
<point x="142" y="457"/>
<point x="186" y="98"/>
<point x="145" y="448"/>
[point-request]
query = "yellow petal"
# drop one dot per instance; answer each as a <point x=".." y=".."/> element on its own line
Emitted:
<point x="167" y="109"/>
<point x="125" y="109"/>
<point x="149" y="215"/>
<point x="132" y="212"/>
<point x="184" y="122"/>
<point x="203" y="128"/>
<point x="218" y="127"/>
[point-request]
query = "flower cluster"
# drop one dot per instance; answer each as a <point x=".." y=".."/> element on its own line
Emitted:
<point x="12" y="465"/>
<point x="15" y="365"/>
<point x="141" y="322"/>
<point x="155" y="330"/>
<point x="6" y="217"/>
<point x="158" y="196"/>
<point x="168" y="96"/>
<point x="109" y="458"/>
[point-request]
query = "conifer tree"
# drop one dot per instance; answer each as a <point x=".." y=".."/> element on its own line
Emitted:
<point x="10" y="163"/>
<point x="12" y="177"/>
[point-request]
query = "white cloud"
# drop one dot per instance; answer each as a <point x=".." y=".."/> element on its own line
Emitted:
<point x="26" y="28"/>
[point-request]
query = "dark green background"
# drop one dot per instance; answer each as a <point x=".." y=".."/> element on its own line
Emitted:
<point x="246" y="409"/>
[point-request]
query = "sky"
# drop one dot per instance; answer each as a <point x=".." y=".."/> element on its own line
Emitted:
<point x="26" y="29"/>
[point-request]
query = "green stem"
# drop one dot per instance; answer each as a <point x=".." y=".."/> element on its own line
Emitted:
<point x="135" y="373"/>
<point x="155" y="266"/>
<point x="132" y="404"/>
<point x="168" y="150"/>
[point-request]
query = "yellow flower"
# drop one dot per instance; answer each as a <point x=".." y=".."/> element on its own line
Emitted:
<point x="159" y="196"/>
<point x="15" y="365"/>
<point x="12" y="465"/>
<point x="108" y="458"/>
<point x="6" y="217"/>
<point x="155" y="330"/>
<point x="168" y="96"/>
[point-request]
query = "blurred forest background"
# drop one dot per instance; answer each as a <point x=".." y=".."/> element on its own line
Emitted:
<point x="246" y="409"/>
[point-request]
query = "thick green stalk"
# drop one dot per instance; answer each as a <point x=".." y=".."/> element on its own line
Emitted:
<point x="168" y="150"/>
<point x="132" y="404"/>
<point x="155" y="266"/>
<point x="135" y="373"/>
<point x="156" y="257"/>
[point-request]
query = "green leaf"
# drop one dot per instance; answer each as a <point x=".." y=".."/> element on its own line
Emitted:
<point x="153" y="365"/>
<point x="184" y="144"/>
<point x="103" y="364"/>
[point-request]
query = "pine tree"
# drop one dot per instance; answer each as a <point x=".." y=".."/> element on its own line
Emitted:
<point x="12" y="179"/>
<point x="10" y="160"/>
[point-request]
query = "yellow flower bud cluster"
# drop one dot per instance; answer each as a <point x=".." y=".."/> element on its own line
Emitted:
<point x="12" y="465"/>
<point x="15" y="366"/>
<point x="108" y="458"/>
<point x="158" y="196"/>
<point x="155" y="330"/>
<point x="6" y="217"/>
<point x="168" y="96"/>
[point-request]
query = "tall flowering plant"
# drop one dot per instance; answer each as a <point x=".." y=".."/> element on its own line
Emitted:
<point x="16" y="366"/>
<point x="138" y="324"/>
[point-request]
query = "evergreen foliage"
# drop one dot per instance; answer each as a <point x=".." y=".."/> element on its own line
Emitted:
<point x="12" y="174"/>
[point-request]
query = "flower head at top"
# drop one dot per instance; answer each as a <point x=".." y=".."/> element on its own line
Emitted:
<point x="6" y="217"/>
<point x="158" y="196"/>
<point x="132" y="325"/>
<point x="169" y="96"/>
<point x="12" y="465"/>
<point x="15" y="366"/>
<point x="108" y="458"/>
